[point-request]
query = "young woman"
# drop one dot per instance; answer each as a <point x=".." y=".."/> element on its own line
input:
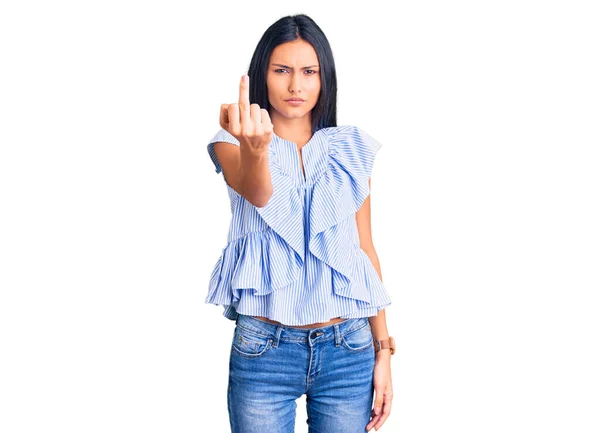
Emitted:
<point x="299" y="274"/>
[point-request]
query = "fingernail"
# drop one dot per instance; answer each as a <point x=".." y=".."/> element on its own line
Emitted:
<point x="245" y="78"/>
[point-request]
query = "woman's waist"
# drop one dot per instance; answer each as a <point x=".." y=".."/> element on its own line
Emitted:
<point x="313" y="325"/>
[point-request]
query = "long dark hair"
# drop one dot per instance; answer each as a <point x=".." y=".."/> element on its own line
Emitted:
<point x="288" y="29"/>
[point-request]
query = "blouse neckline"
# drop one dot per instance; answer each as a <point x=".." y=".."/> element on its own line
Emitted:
<point x="302" y="155"/>
<point x="313" y="138"/>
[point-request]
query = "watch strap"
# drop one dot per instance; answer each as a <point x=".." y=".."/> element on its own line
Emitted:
<point x="384" y="344"/>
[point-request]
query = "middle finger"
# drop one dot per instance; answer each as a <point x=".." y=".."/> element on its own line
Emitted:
<point x="244" y="101"/>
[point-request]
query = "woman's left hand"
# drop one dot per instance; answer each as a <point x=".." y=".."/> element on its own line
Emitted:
<point x="382" y="378"/>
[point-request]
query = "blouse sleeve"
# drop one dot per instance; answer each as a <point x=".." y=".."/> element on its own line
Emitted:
<point x="222" y="135"/>
<point x="362" y="150"/>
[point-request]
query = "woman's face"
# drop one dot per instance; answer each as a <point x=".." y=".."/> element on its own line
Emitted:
<point x="293" y="72"/>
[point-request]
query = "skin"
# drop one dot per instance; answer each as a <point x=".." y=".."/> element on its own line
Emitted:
<point x="382" y="373"/>
<point x="246" y="168"/>
<point x="293" y="71"/>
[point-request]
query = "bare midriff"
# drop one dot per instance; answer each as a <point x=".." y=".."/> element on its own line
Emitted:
<point x="313" y="325"/>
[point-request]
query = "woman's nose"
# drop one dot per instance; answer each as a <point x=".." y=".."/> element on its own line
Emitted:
<point x="295" y="83"/>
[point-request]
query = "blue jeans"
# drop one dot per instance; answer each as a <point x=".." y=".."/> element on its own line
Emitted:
<point x="270" y="366"/>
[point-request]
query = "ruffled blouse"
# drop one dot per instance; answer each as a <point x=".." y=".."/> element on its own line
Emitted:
<point x="297" y="260"/>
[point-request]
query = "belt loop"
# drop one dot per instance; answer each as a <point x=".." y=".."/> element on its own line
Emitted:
<point x="338" y="337"/>
<point x="277" y="335"/>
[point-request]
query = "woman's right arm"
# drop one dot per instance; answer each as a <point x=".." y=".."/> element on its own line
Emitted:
<point x="246" y="171"/>
<point x="246" y="167"/>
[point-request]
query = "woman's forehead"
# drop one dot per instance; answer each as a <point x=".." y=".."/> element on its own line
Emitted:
<point x="296" y="53"/>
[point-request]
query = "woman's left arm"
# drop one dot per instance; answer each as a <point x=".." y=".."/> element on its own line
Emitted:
<point x="363" y="222"/>
<point x="382" y="372"/>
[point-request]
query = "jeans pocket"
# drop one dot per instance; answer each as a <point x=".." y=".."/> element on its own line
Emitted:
<point x="358" y="339"/>
<point x="250" y="344"/>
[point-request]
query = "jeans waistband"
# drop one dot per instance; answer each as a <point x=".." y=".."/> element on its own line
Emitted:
<point x="289" y="333"/>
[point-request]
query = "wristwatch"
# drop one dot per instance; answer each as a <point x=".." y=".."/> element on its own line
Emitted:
<point x="385" y="344"/>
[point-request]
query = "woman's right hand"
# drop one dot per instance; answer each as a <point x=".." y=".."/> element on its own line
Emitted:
<point x="248" y="123"/>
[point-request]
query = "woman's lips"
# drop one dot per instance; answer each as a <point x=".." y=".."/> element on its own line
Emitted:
<point x="295" y="102"/>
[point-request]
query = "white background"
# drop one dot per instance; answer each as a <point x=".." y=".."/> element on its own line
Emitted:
<point x="485" y="208"/>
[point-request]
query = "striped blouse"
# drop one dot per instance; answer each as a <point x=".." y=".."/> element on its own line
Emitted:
<point x="297" y="260"/>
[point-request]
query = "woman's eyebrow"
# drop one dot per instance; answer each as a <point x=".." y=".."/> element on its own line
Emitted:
<point x="289" y="67"/>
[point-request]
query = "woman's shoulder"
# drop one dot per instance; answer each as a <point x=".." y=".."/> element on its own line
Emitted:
<point x="224" y="136"/>
<point x="352" y="137"/>
<point x="221" y="136"/>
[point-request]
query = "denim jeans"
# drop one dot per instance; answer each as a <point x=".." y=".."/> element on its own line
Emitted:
<point x="271" y="365"/>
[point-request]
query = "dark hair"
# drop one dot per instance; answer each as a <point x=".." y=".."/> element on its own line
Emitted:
<point x="288" y="29"/>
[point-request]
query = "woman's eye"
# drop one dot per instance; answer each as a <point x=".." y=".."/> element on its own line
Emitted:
<point x="312" y="72"/>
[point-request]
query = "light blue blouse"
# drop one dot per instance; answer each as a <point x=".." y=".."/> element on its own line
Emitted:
<point x="297" y="260"/>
